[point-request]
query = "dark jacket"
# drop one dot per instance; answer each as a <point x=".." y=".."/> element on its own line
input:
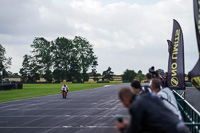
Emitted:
<point x="148" y="114"/>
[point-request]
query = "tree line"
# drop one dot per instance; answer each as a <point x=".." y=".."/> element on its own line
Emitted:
<point x="60" y="59"/>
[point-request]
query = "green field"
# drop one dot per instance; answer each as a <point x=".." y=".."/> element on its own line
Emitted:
<point x="37" y="90"/>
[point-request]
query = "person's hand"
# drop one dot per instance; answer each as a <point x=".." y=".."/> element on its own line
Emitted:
<point x="121" y="125"/>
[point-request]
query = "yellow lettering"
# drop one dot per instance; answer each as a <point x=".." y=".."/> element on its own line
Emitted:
<point x="175" y="47"/>
<point x="177" y="32"/>
<point x="173" y="55"/>
<point x="174" y="72"/>
<point x="174" y="79"/>
<point x="174" y="65"/>
<point x="176" y="41"/>
<point x="175" y="50"/>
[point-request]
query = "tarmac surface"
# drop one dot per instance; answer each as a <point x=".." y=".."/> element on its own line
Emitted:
<point x="88" y="111"/>
<point x="192" y="95"/>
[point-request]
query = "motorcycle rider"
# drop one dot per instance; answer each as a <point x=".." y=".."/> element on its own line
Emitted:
<point x="64" y="90"/>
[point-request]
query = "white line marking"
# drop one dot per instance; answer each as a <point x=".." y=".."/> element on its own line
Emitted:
<point x="81" y="126"/>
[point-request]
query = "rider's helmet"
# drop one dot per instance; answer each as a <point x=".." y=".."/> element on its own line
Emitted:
<point x="64" y="85"/>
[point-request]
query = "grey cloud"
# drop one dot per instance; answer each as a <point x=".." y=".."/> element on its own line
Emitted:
<point x="124" y="35"/>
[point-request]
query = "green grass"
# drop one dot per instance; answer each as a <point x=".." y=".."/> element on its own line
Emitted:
<point x="37" y="90"/>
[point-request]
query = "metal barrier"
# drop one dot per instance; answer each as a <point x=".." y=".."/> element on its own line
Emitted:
<point x="190" y="115"/>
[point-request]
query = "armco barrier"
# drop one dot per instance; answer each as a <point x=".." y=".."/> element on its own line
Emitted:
<point x="188" y="84"/>
<point x="103" y="82"/>
<point x="190" y="115"/>
<point x="126" y="81"/>
<point x="11" y="86"/>
<point x="77" y="82"/>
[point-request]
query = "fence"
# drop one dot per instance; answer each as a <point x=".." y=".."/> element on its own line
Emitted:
<point x="11" y="86"/>
<point x="190" y="115"/>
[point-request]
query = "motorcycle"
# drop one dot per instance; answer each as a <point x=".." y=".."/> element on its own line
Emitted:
<point x="64" y="94"/>
<point x="64" y="91"/>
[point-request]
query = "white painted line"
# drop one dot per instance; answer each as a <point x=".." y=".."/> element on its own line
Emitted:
<point x="81" y="126"/>
<point x="67" y="126"/>
<point x="107" y="85"/>
<point x="50" y="127"/>
<point x="44" y="116"/>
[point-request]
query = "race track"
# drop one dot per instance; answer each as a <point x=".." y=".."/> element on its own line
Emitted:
<point x="192" y="95"/>
<point x="88" y="111"/>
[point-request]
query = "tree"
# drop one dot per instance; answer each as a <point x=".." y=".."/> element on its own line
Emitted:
<point x="30" y="69"/>
<point x="75" y="69"/>
<point x="63" y="51"/>
<point x="47" y="75"/>
<point x="128" y="75"/>
<point x="94" y="70"/>
<point x="161" y="71"/>
<point x="4" y="63"/>
<point x="13" y="75"/>
<point x="42" y="54"/>
<point x="61" y="59"/>
<point x="140" y="76"/>
<point x="85" y="55"/>
<point x="108" y="74"/>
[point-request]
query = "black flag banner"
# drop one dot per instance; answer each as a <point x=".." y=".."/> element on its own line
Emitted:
<point x="175" y="77"/>
<point x="197" y="21"/>
<point x="194" y="75"/>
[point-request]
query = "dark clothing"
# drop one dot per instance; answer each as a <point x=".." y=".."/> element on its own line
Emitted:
<point x="165" y="82"/>
<point x="154" y="74"/>
<point x="148" y="114"/>
<point x="147" y="89"/>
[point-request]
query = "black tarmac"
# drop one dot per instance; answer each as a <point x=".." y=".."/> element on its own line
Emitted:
<point x="88" y="111"/>
<point x="192" y="95"/>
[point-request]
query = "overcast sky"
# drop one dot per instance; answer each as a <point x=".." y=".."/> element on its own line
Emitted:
<point x="129" y="34"/>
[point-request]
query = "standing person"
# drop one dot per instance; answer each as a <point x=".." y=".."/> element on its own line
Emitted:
<point x="138" y="89"/>
<point x="149" y="78"/>
<point x="160" y="76"/>
<point x="151" y="117"/>
<point x="64" y="90"/>
<point x="165" y="79"/>
<point x="166" y="96"/>
<point x="153" y="72"/>
<point x="157" y="74"/>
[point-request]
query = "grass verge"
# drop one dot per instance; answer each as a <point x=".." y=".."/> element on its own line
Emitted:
<point x="37" y="90"/>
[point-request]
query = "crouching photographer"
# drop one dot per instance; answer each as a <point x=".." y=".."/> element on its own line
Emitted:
<point x="151" y="117"/>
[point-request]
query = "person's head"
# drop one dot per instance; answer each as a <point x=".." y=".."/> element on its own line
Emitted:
<point x="136" y="86"/>
<point x="155" y="85"/>
<point x="157" y="72"/>
<point x="126" y="95"/>
<point x="166" y="74"/>
<point x="64" y="85"/>
<point x="149" y="77"/>
<point x="151" y="69"/>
